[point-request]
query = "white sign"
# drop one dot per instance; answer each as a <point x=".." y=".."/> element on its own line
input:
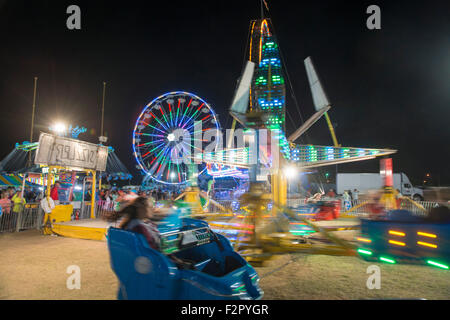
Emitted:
<point x="60" y="151"/>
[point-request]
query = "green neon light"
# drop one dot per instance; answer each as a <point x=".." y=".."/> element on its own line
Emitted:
<point x="240" y="289"/>
<point x="367" y="252"/>
<point x="440" y="265"/>
<point x="387" y="260"/>
<point x="303" y="231"/>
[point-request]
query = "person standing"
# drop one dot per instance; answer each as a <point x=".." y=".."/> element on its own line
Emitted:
<point x="355" y="196"/>
<point x="108" y="200"/>
<point x="5" y="203"/>
<point x="54" y="191"/>
<point x="30" y="195"/>
<point x="18" y="201"/>
<point x="331" y="194"/>
<point x="347" y="201"/>
<point x="87" y="195"/>
<point x="10" y="192"/>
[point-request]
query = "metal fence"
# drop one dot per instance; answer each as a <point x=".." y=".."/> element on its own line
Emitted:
<point x="100" y="209"/>
<point x="31" y="216"/>
<point x="226" y="204"/>
<point x="20" y="217"/>
<point x="363" y="207"/>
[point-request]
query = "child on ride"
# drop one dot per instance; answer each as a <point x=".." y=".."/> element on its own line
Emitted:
<point x="139" y="216"/>
<point x="136" y="217"/>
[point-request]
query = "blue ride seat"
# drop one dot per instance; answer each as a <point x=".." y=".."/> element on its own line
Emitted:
<point x="147" y="274"/>
<point x="137" y="266"/>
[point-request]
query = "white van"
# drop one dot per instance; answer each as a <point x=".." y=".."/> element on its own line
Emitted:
<point x="372" y="181"/>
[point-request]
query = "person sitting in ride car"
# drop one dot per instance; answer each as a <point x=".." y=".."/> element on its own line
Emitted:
<point x="136" y="217"/>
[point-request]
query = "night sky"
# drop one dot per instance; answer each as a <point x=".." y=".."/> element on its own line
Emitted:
<point x="389" y="88"/>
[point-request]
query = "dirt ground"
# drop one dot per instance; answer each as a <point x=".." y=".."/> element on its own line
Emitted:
<point x="34" y="266"/>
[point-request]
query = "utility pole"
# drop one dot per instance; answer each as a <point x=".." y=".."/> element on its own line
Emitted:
<point x="32" y="119"/>
<point x="262" y="10"/>
<point x="102" y="138"/>
<point x="103" y="107"/>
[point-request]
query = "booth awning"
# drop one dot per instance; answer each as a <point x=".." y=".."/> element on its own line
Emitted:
<point x="13" y="180"/>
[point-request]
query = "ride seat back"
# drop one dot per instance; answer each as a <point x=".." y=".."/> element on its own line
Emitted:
<point x="143" y="272"/>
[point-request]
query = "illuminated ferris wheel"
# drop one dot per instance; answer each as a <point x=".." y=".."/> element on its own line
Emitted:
<point x="164" y="135"/>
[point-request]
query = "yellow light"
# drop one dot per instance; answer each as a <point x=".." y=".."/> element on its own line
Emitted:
<point x="398" y="243"/>
<point x="264" y="22"/>
<point x="426" y="244"/>
<point x="251" y="41"/>
<point x="397" y="233"/>
<point x="429" y="235"/>
<point x="363" y="239"/>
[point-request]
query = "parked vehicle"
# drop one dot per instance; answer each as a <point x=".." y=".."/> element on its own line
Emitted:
<point x="372" y="181"/>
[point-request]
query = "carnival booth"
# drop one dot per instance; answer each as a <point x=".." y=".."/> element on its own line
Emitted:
<point x="66" y="157"/>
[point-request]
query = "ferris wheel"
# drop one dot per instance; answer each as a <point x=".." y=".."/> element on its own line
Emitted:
<point x="164" y="135"/>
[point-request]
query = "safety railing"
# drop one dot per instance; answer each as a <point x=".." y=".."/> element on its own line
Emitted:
<point x="100" y="209"/>
<point x="227" y="206"/>
<point x="364" y="207"/>
<point x="103" y="207"/>
<point x="8" y="218"/>
<point x="292" y="203"/>
<point x="83" y="213"/>
<point x="356" y="208"/>
<point x="32" y="217"/>
<point x="15" y="218"/>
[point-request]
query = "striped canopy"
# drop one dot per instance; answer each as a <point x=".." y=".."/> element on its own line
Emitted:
<point x="12" y="180"/>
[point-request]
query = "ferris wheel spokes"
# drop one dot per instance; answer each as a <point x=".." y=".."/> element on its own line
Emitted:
<point x="164" y="137"/>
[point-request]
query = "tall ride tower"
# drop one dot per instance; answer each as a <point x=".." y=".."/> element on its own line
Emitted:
<point x="268" y="90"/>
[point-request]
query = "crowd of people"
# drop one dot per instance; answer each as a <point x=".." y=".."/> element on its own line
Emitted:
<point x="10" y="196"/>
<point x="113" y="194"/>
<point x="12" y="199"/>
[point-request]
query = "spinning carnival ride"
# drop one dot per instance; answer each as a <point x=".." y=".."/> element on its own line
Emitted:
<point x="259" y="103"/>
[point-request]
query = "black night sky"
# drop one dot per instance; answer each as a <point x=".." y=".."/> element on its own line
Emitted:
<point x="389" y="88"/>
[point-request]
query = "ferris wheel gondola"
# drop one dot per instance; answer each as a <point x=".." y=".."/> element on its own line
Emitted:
<point x="164" y="137"/>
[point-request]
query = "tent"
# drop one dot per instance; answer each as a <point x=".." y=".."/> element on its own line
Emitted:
<point x="17" y="162"/>
<point x="13" y="180"/>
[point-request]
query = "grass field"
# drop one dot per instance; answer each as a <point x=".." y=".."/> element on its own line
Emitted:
<point x="33" y="266"/>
